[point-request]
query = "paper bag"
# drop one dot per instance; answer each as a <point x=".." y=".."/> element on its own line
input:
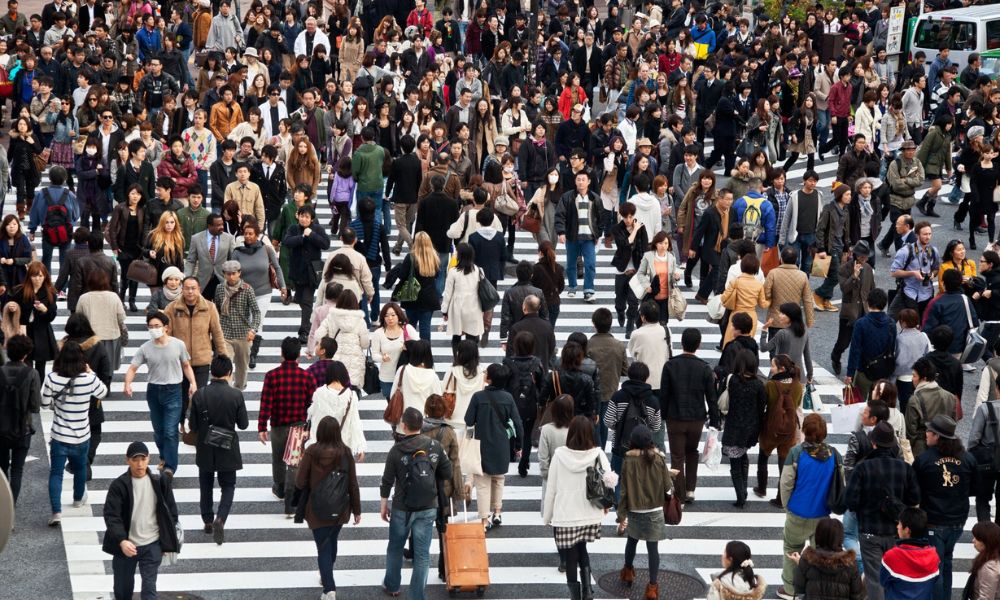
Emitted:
<point x="821" y="266"/>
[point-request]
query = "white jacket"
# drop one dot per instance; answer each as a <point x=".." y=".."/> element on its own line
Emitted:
<point x="647" y="212"/>
<point x="348" y="328"/>
<point x="461" y="302"/>
<point x="464" y="387"/>
<point x="417" y="383"/>
<point x="565" y="503"/>
<point x="343" y="406"/>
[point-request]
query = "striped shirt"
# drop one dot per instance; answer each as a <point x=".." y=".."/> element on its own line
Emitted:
<point x="71" y="424"/>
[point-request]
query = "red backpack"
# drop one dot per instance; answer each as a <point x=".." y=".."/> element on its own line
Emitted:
<point x="57" y="228"/>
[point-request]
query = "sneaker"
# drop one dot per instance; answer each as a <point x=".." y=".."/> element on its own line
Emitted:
<point x="55" y="520"/>
<point x="81" y="501"/>
<point x="279" y="494"/>
<point x="968" y="368"/>
<point x="885" y="253"/>
<point x="497" y="519"/>
<point x="589" y="298"/>
<point x="571" y="294"/>
<point x="819" y="303"/>
<point x="785" y="595"/>
<point x="329" y="596"/>
<point x="831" y="307"/>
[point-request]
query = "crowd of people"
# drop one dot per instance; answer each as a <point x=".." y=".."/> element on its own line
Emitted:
<point x="185" y="146"/>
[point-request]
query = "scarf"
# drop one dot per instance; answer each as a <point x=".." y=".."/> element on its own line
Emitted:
<point x="539" y="143"/>
<point x="818" y="451"/>
<point x="171" y="295"/>
<point x="724" y="232"/>
<point x="230" y="292"/>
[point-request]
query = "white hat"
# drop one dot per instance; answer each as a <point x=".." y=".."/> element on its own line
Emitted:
<point x="171" y="272"/>
<point x="205" y="3"/>
<point x="251" y="51"/>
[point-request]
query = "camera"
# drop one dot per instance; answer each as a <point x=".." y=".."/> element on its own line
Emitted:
<point x="926" y="278"/>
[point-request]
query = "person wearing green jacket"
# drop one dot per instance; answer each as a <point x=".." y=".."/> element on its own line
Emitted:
<point x="193" y="218"/>
<point x="300" y="197"/>
<point x="366" y="167"/>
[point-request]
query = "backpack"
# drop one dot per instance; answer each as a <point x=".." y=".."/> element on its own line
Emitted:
<point x="752" y="221"/>
<point x="15" y="417"/>
<point x="56" y="227"/>
<point x="782" y="419"/>
<point x="419" y="482"/>
<point x="634" y="416"/>
<point x="522" y="387"/>
<point x="331" y="497"/>
<point x="988" y="455"/>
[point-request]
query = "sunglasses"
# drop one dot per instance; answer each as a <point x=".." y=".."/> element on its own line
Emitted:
<point x="275" y="94"/>
<point x="91" y="99"/>
<point x="107" y="117"/>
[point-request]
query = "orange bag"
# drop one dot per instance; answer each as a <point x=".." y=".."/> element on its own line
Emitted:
<point x="770" y="260"/>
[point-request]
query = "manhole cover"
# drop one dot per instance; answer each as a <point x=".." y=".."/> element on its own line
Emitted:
<point x="673" y="585"/>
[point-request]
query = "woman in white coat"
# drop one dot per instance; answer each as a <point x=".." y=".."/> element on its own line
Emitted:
<point x="460" y="304"/>
<point x="657" y="273"/>
<point x="417" y="379"/>
<point x="345" y="323"/>
<point x="336" y="399"/>
<point x="465" y="378"/>
<point x="576" y="519"/>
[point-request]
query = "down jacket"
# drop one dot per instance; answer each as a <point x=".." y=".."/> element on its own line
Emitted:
<point x="825" y="575"/>
<point x="348" y="328"/>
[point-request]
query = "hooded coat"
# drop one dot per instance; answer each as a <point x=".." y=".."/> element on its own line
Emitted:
<point x="348" y="328"/>
<point x="565" y="502"/>
<point x="827" y="575"/>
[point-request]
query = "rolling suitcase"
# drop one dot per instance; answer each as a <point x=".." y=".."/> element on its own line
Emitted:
<point x="466" y="564"/>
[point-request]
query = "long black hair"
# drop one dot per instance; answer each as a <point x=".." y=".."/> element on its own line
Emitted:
<point x="466" y="258"/>
<point x="70" y="361"/>
<point x="467" y="357"/>
<point x="794" y="314"/>
<point x="739" y="554"/>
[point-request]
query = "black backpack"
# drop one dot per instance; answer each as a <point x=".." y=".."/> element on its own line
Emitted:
<point x="420" y="481"/>
<point x="522" y="387"/>
<point x="15" y="416"/>
<point x="56" y="227"/>
<point x="634" y="416"/>
<point x="988" y="455"/>
<point x="331" y="497"/>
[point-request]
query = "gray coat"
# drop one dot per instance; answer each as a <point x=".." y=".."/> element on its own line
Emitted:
<point x="489" y="411"/>
<point x="903" y="186"/>
<point x="221" y="405"/>
<point x="200" y="264"/>
<point x="254" y="260"/>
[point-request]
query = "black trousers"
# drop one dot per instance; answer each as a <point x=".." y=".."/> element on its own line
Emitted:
<point x="625" y="300"/>
<point x="977" y="210"/>
<point x="304" y="295"/>
<point x="844" y="333"/>
<point x="725" y="146"/>
<point x="739" y="472"/>
<point x="206" y="483"/>
<point x="12" y="459"/>
<point x="989" y="489"/>
<point x="891" y="237"/>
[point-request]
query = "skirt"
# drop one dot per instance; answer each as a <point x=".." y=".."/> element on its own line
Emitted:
<point x="62" y="155"/>
<point x="646" y="526"/>
<point x="567" y="537"/>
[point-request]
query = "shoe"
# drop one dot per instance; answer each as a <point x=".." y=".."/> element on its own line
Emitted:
<point x="277" y="492"/>
<point x="760" y="492"/>
<point x="397" y="251"/>
<point x="332" y="595"/>
<point x="589" y="298"/>
<point x="740" y="504"/>
<point x="386" y="591"/>
<point x="408" y="553"/>
<point x="621" y="318"/>
<point x="55" y="520"/>
<point x="776" y="502"/>
<point x="689" y="498"/>
<point x="608" y="240"/>
<point x="303" y="339"/>
<point x="586" y="584"/>
<point x="562" y="565"/>
<point x="785" y="595"/>
<point x="497" y="519"/>
<point x="207" y="528"/>
<point x="652" y="592"/>
<point x="218" y="531"/>
<point x="968" y="368"/>
<point x="522" y="473"/>
<point x="700" y="299"/>
<point x="168" y="473"/>
<point x="287" y="299"/>
<point x="289" y="515"/>
<point x="687" y="281"/>
<point x="252" y="363"/>
<point x="442" y="576"/>
<point x="972" y="245"/>
<point x="956" y="226"/>
<point x="574" y="591"/>
<point x="511" y="260"/>
<point x="837" y="367"/>
<point x="571" y="294"/>
<point x="82" y="501"/>
<point x="819" y="304"/>
<point x="982" y="229"/>
<point x="61" y="295"/>
<point x="627" y="575"/>
<point x="132" y="307"/>
<point x="885" y="253"/>
<point x="930" y="213"/>
<point x="831" y="307"/>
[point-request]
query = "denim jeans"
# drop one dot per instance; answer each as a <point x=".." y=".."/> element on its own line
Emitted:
<point x="148" y="560"/>
<point x="326" y="554"/>
<point x="823" y="124"/>
<point x="830" y="283"/>
<point x="944" y="539"/>
<point x="803" y="243"/>
<point x="445" y="257"/>
<point x="851" y="541"/>
<point x="76" y="454"/>
<point x="401" y="524"/>
<point x="187" y="69"/>
<point x="165" y="413"/>
<point x="371" y="306"/>
<point x="588" y="250"/>
<point x="47" y="249"/>
<point x="872" y="548"/>
<point x="386" y="388"/>
<point x="421" y="319"/>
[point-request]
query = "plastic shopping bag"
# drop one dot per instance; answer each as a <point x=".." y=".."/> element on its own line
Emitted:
<point x="711" y="454"/>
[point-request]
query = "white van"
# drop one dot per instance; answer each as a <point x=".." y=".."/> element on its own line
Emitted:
<point x="963" y="30"/>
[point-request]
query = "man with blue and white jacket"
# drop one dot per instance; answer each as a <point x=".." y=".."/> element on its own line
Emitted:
<point x="765" y="220"/>
<point x="910" y="568"/>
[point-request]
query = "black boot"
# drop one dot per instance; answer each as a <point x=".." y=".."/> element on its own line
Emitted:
<point x="586" y="586"/>
<point x="253" y="352"/>
<point x="929" y="205"/>
<point x="629" y="327"/>
<point x="131" y="305"/>
<point x="574" y="591"/>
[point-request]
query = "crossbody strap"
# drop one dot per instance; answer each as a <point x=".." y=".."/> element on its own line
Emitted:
<point x="968" y="314"/>
<point x="555" y="383"/>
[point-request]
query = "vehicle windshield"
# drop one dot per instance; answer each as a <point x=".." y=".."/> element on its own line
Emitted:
<point x="957" y="35"/>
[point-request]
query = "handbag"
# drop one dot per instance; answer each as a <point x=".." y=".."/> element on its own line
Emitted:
<point x="821" y="266"/>
<point x="220" y="437"/>
<point x="506" y="204"/>
<point x="470" y="457"/>
<point x="673" y="510"/>
<point x="394" y="410"/>
<point x="851" y="395"/>
<point x="676" y="304"/>
<point x="716" y="310"/>
<point x="295" y="444"/>
<point x="975" y="344"/>
<point x="449" y="396"/>
<point x="409" y="290"/>
<point x="835" y="495"/>
<point x="371" y="384"/>
<point x="724" y="397"/>
<point x="142" y="271"/>
<point x="532" y="220"/>
<point x="599" y="494"/>
<point x="272" y="276"/>
<point x="41" y="159"/>
<point x="770" y="260"/>
<point x="488" y="296"/>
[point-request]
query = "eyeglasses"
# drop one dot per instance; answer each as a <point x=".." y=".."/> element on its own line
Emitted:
<point x="275" y="93"/>
<point x="107" y="117"/>
<point x="91" y="99"/>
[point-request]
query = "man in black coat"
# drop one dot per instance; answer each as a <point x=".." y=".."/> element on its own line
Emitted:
<point x="512" y="74"/>
<point x="269" y="176"/>
<point x="307" y="240"/>
<point x="222" y="172"/>
<point x="400" y="187"/>
<point x="709" y="91"/>
<point x="706" y="241"/>
<point x="95" y="260"/>
<point x="151" y="497"/>
<point x="511" y="307"/>
<point x="574" y="133"/>
<point x="221" y="406"/>
<point x="545" y="337"/>
<point x="435" y="213"/>
<point x="587" y="61"/>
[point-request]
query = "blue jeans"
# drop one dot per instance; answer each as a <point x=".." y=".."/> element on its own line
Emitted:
<point x="803" y="243"/>
<point x="401" y="524"/>
<point x="165" y="413"/>
<point x="326" y="554"/>
<point x="823" y="123"/>
<point x="47" y="249"/>
<point x="825" y="291"/>
<point x="374" y="301"/>
<point x="76" y="454"/>
<point x="944" y="539"/>
<point x="442" y="274"/>
<point x="386" y="388"/>
<point x="588" y="250"/>
<point x="602" y="429"/>
<point x="421" y="319"/>
<point x="148" y="560"/>
<point x="851" y="540"/>
<point x="616" y="465"/>
<point x="187" y="70"/>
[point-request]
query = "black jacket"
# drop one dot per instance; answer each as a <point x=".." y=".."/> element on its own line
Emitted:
<point x="687" y="390"/>
<point x="575" y="383"/>
<point x="726" y="118"/>
<point x="217" y="172"/>
<point x="945" y="486"/>
<point x="824" y="575"/>
<point x="950" y="376"/>
<point x="551" y="283"/>
<point x="567" y="216"/>
<point x="118" y="513"/>
<point x="625" y="252"/>
<point x="401" y="186"/>
<point x="533" y="162"/>
<point x="435" y="214"/>
<point x="519" y="366"/>
<point x="145" y="178"/>
<point x="221" y="405"/>
<point x="489" y="410"/>
<point x="513" y="300"/>
<point x="394" y="474"/>
<point x="491" y="253"/>
<point x="19" y="371"/>
<point x="708" y="97"/>
<point x="274" y="190"/>
<point x="307" y="252"/>
<point x="596" y="66"/>
<point x="545" y="337"/>
<point x="428" y="298"/>
<point x="747" y="403"/>
<point x="707" y="231"/>
<point x="570" y="135"/>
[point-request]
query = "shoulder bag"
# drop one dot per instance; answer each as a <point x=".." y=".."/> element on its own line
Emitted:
<point x="394" y="410"/>
<point x="532" y="220"/>
<point x="488" y="296"/>
<point x="142" y="271"/>
<point x="599" y="494"/>
<point x="505" y="203"/>
<point x="673" y="509"/>
<point x="295" y="446"/>
<point x="449" y="395"/>
<point x="371" y="384"/>
<point x="507" y="426"/>
<point x="409" y="290"/>
<point x="975" y="344"/>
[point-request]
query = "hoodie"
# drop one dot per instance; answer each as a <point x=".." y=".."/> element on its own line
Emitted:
<point x="416" y="384"/>
<point x="647" y="212"/>
<point x="565" y="503"/>
<point x="909" y="570"/>
<point x="635" y="393"/>
<point x="394" y="475"/>
<point x="463" y="387"/>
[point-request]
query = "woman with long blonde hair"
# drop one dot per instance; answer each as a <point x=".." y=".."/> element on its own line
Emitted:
<point x="165" y="246"/>
<point x="303" y="166"/>
<point x="424" y="264"/>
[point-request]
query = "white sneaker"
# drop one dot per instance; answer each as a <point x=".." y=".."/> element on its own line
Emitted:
<point x="81" y="501"/>
<point x="571" y="294"/>
<point x="55" y="520"/>
<point x="329" y="596"/>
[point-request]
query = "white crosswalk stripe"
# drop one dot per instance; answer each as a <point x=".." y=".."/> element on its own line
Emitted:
<point x="265" y="552"/>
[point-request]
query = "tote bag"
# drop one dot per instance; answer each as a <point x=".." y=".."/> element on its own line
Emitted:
<point x="469" y="454"/>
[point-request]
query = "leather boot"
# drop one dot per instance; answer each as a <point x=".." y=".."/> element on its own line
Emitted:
<point x="255" y="346"/>
<point x="586" y="586"/>
<point x="652" y="592"/>
<point x="627" y="575"/>
<point x="574" y="591"/>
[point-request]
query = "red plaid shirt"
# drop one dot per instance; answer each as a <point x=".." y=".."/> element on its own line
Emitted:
<point x="286" y="395"/>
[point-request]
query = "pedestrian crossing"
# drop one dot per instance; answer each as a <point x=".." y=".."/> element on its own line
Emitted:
<point x="269" y="556"/>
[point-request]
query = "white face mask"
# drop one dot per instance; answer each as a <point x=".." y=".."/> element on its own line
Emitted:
<point x="91" y="151"/>
<point x="508" y="169"/>
<point x="155" y="333"/>
<point x="553" y="179"/>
